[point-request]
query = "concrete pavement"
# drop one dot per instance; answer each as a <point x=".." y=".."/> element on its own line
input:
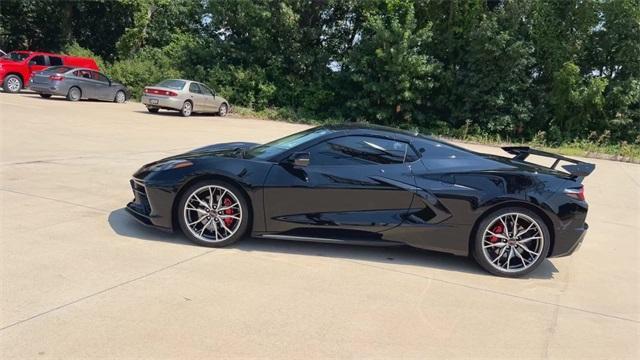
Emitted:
<point x="81" y="279"/>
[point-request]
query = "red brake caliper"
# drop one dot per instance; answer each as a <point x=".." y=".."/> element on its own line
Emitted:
<point x="227" y="202"/>
<point x="498" y="229"/>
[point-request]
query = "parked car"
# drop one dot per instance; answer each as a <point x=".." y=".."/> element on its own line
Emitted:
<point x="185" y="96"/>
<point x="16" y="67"/>
<point x="370" y="185"/>
<point x="78" y="83"/>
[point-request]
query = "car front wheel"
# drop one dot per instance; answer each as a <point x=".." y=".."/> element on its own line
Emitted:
<point x="12" y="84"/>
<point x="222" y="111"/>
<point x="511" y="242"/>
<point x="213" y="213"/>
<point x="120" y="98"/>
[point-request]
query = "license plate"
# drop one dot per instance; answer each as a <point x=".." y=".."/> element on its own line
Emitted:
<point x="153" y="101"/>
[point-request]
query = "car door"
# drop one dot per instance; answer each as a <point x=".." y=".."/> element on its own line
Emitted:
<point x="353" y="187"/>
<point x="196" y="96"/>
<point x="36" y="63"/>
<point x="101" y="87"/>
<point x="211" y="104"/>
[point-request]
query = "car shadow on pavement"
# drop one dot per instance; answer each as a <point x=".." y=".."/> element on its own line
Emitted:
<point x="170" y="113"/>
<point x="125" y="225"/>
<point x="56" y="98"/>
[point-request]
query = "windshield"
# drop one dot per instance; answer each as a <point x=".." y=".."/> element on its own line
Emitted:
<point x="172" y="84"/>
<point x="16" y="56"/>
<point x="279" y="146"/>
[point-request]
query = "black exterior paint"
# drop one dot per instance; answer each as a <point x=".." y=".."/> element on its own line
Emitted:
<point x="432" y="202"/>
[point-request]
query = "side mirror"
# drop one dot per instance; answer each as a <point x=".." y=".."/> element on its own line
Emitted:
<point x="300" y="159"/>
<point x="32" y="62"/>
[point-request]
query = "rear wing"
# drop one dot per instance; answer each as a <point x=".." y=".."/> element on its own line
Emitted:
<point x="577" y="169"/>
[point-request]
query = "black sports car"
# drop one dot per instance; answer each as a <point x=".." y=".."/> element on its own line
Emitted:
<point x="362" y="184"/>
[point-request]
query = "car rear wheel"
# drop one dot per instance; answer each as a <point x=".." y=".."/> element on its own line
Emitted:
<point x="74" y="94"/>
<point x="213" y="213"/>
<point x="222" y="111"/>
<point x="152" y="110"/>
<point x="12" y="84"/>
<point x="121" y="97"/>
<point x="187" y="108"/>
<point x="46" y="96"/>
<point x="511" y="242"/>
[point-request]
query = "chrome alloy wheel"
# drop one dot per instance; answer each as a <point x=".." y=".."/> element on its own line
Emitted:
<point x="120" y="97"/>
<point x="187" y="108"/>
<point x="13" y="84"/>
<point x="212" y="213"/>
<point x="512" y="242"/>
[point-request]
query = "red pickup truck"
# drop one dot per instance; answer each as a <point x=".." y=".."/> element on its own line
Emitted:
<point x="16" y="67"/>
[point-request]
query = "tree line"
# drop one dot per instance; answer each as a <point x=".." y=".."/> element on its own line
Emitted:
<point x="555" y="70"/>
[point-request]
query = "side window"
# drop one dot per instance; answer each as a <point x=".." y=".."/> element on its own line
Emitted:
<point x="55" y="61"/>
<point x="206" y="90"/>
<point x="37" y="60"/>
<point x="83" y="74"/>
<point x="194" y="88"/>
<point x="97" y="76"/>
<point x="431" y="149"/>
<point x="358" y="150"/>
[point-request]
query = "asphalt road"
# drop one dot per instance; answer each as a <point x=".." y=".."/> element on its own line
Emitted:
<point x="81" y="279"/>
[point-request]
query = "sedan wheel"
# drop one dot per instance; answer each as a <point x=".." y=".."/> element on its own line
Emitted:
<point x="511" y="242"/>
<point x="74" y="94"/>
<point x="213" y="214"/>
<point x="12" y="84"/>
<point x="222" y="111"/>
<point x="187" y="108"/>
<point x="120" y="97"/>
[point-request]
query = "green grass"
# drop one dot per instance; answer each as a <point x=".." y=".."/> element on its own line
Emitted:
<point x="582" y="148"/>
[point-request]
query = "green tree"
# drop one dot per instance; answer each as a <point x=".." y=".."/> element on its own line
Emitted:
<point x="389" y="72"/>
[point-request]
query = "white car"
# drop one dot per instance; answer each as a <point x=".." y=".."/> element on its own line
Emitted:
<point x="185" y="96"/>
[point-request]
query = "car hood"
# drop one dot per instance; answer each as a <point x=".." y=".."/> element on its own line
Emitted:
<point x="225" y="150"/>
<point x="231" y="149"/>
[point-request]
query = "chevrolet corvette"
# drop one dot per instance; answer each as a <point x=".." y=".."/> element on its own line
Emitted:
<point x="372" y="185"/>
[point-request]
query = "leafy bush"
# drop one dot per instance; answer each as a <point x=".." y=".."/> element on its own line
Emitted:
<point x="147" y="67"/>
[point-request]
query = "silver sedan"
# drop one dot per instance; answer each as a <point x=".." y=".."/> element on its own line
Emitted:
<point x="185" y="96"/>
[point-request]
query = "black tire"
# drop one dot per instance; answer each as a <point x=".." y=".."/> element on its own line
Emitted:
<point x="74" y="94"/>
<point x="481" y="257"/>
<point x="245" y="218"/>
<point x="120" y="97"/>
<point x="46" y="96"/>
<point x="223" y="110"/>
<point x="187" y="109"/>
<point x="12" y="84"/>
<point x="152" y="110"/>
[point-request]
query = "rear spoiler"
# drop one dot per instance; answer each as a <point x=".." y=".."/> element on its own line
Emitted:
<point x="577" y="169"/>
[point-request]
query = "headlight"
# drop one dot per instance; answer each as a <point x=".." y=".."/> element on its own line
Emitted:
<point x="171" y="164"/>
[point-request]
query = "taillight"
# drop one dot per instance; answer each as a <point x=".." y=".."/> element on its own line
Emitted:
<point x="159" y="92"/>
<point x="56" y="77"/>
<point x="576" y="193"/>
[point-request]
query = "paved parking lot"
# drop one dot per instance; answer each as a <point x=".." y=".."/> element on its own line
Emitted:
<point x="81" y="279"/>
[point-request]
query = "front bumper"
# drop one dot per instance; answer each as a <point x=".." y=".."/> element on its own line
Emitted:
<point x="143" y="210"/>
<point x="162" y="102"/>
